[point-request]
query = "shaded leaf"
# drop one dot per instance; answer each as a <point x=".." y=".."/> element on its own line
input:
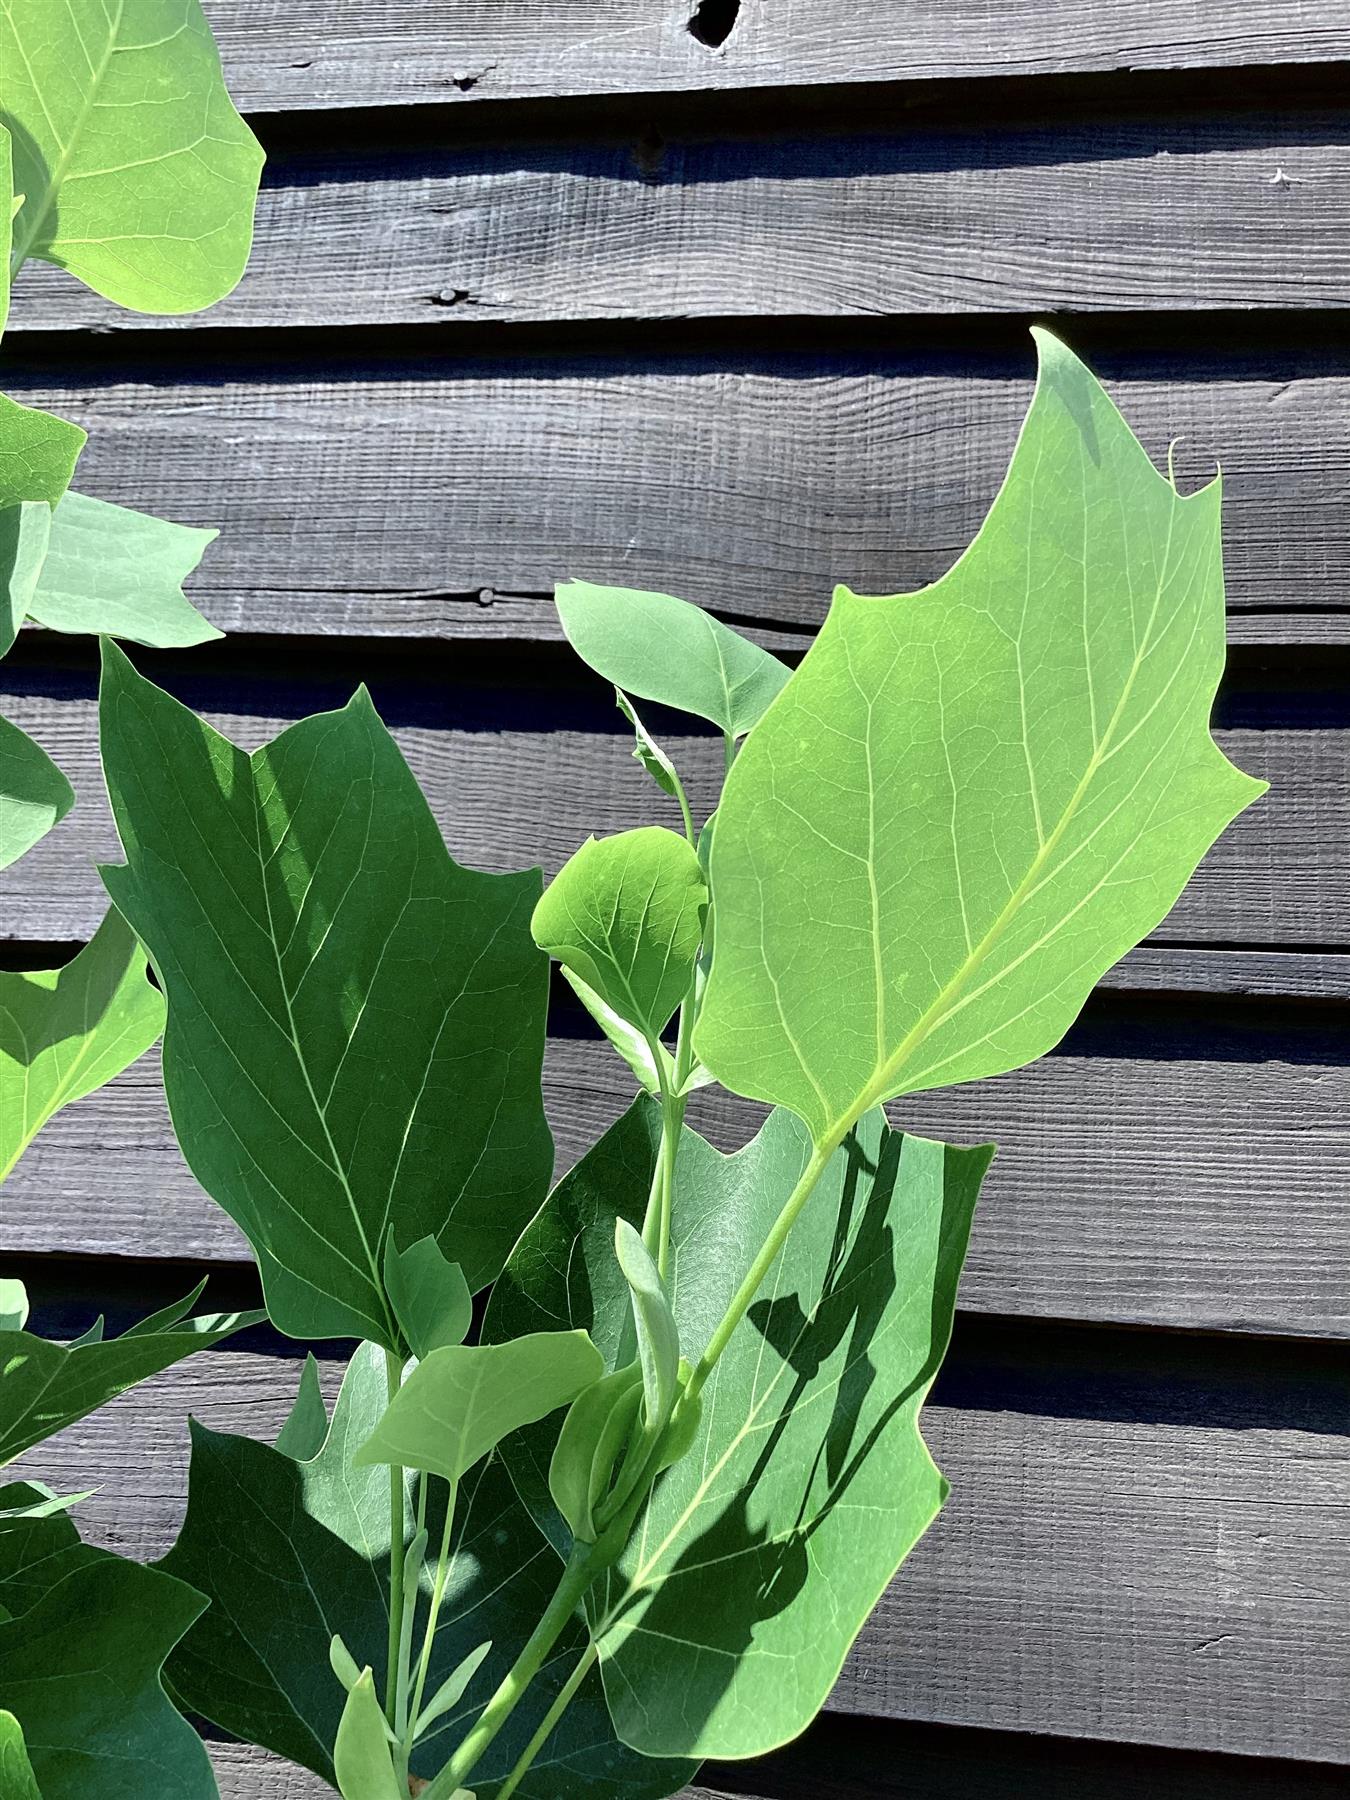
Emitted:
<point x="355" y="1023"/>
<point x="451" y="1691"/>
<point x="647" y="751"/>
<point x="624" y="915"/>
<point x="971" y="801"/>
<point x="45" y="1386"/>
<point x="647" y="1057"/>
<point x="460" y="1402"/>
<point x="80" y="1660"/>
<point x="598" y="1425"/>
<point x="265" y="1537"/>
<point x="25" y="531"/>
<point x="664" y="649"/>
<point x="658" y="1335"/>
<point x="137" y="173"/>
<point x="301" y="1437"/>
<point x="34" y="794"/>
<point x="65" y="1032"/>
<point x="763" y="1551"/>
<point x="430" y="1297"/>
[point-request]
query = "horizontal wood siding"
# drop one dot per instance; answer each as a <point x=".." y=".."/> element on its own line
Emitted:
<point x="550" y="289"/>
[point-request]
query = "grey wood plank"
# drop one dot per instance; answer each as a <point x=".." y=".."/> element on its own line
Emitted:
<point x="1147" y="1558"/>
<point x="516" y="779"/>
<point x="424" y="502"/>
<point x="1115" y="214"/>
<point x="324" y="53"/>
<point x="1187" y="1191"/>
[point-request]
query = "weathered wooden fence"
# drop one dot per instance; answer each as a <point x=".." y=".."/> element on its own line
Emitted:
<point x="731" y="300"/>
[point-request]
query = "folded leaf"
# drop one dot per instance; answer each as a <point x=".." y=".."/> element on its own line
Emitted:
<point x="460" y="1402"/>
<point x="430" y="1297"/>
<point x="664" y="649"/>
<point x="65" y="1032"/>
<point x="34" y="794"/>
<point x="137" y="173"/>
<point x="597" y="1428"/>
<point x="647" y="1057"/>
<point x="25" y="532"/>
<point x="647" y="751"/>
<point x="658" y="1335"/>
<point x="361" y="1753"/>
<point x="973" y="800"/>
<point x="81" y="1655"/>
<point x="306" y="1427"/>
<point x="451" y="1691"/>
<point x="291" y="1553"/>
<point x="625" y="915"/>
<point x="120" y="573"/>
<point x="17" y="1780"/>
<point x="45" y="1386"/>
<point x="763" y="1551"/>
<point x="355" y="1023"/>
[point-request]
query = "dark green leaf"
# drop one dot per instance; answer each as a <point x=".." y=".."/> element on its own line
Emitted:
<point x="80" y="1660"/>
<point x="360" y="1050"/>
<point x="301" y="1437"/>
<point x="764" y="1550"/>
<point x="291" y="1553"/>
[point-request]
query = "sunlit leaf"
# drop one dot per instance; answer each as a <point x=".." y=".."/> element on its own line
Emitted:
<point x="17" y="1780"/>
<point x="973" y="800"/>
<point x="430" y="1297"/>
<point x="65" y="1032"/>
<point x="355" y="1023"/>
<point x="114" y="571"/>
<point x="664" y="649"/>
<point x="762" y="1551"/>
<point x="361" y="1760"/>
<point x="137" y="173"/>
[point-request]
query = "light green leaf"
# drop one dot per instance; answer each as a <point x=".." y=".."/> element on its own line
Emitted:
<point x="462" y="1401"/>
<point x="8" y="208"/>
<point x="664" y="649"/>
<point x="597" y="1428"/>
<point x="625" y="914"/>
<point x="137" y="173"/>
<point x="13" y="1304"/>
<point x="359" y="1049"/>
<point x="361" y="1754"/>
<point x="65" y="1032"/>
<point x="648" y="752"/>
<point x="35" y="1500"/>
<point x="657" y="1333"/>
<point x="451" y="1691"/>
<point x="430" y="1297"/>
<point x="80" y="1659"/>
<point x="647" y="1057"/>
<point x="25" y="531"/>
<point x="763" y="1551"/>
<point x="306" y="1427"/>
<point x="45" y="1386"/>
<point x="972" y="801"/>
<point x="38" y="453"/>
<point x="291" y="1553"/>
<point x="17" y="1780"/>
<point x="34" y="795"/>
<point x="117" y="572"/>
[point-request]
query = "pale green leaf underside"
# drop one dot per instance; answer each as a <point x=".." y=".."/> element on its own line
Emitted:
<point x="663" y="649"/>
<point x="763" y="1551"/>
<point x="34" y="795"/>
<point x="138" y="175"/>
<point x="460" y="1401"/>
<point x="65" y="1032"/>
<point x="355" y="1023"/>
<point x="120" y="573"/>
<point x="973" y="800"/>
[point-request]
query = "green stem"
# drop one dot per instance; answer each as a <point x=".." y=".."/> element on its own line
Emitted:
<point x="393" y="1380"/>
<point x="576" y="1577"/>
<point x="566" y="1694"/>
<point x="433" y="1614"/>
<point x="728" y="753"/>
<point x="777" y="1237"/>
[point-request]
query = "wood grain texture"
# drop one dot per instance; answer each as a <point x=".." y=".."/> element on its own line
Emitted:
<point x="322" y="53"/>
<point x="1114" y="213"/>
<point x="519" y="777"/>
<point x="423" y="502"/>
<point x="1145" y="1186"/>
<point x="1148" y="1553"/>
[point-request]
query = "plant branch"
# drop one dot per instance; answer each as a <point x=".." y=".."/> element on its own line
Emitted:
<point x="393" y="1381"/>
<point x="565" y="1696"/>
<point x="433" y="1612"/>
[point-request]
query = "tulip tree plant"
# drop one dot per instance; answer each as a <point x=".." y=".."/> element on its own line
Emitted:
<point x="122" y="161"/>
<point x="618" y="1467"/>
